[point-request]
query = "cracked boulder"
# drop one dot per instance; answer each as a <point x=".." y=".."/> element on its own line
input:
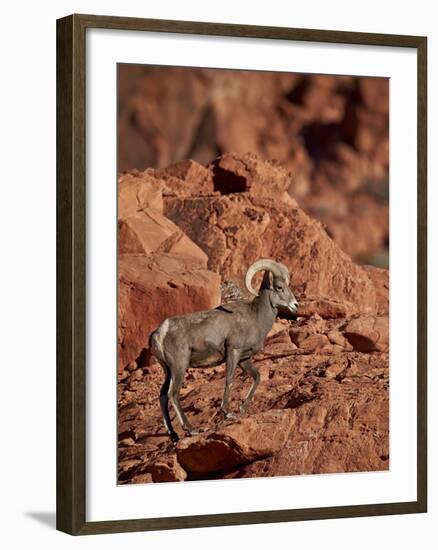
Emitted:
<point x="167" y="468"/>
<point x="368" y="333"/>
<point x="184" y="178"/>
<point x="148" y="231"/>
<point x="137" y="191"/>
<point x="251" y="438"/>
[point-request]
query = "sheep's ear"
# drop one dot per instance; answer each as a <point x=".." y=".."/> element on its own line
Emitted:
<point x="268" y="280"/>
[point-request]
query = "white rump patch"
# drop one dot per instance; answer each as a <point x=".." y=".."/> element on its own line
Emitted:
<point x="160" y="335"/>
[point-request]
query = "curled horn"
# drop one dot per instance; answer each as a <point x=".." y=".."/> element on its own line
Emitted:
<point x="276" y="268"/>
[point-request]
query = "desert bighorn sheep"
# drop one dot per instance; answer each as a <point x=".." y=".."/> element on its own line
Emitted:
<point x="231" y="333"/>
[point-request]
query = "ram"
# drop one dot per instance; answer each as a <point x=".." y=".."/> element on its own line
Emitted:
<point x="229" y="334"/>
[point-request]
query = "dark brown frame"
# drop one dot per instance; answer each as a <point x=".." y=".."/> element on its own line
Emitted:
<point x="71" y="266"/>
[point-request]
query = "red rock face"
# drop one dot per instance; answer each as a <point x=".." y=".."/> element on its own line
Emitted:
<point x="189" y="232"/>
<point x="235" y="230"/>
<point x="331" y="133"/>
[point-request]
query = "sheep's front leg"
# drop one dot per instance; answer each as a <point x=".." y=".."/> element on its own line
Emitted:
<point x="233" y="356"/>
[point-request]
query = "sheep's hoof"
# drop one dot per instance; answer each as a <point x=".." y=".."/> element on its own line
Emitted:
<point x="174" y="437"/>
<point x="230" y="416"/>
<point x="242" y="409"/>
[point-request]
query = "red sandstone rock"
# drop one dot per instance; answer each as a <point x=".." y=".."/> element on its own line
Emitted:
<point x="152" y="288"/>
<point x="246" y="440"/>
<point x="336" y="337"/>
<point x="368" y="334"/>
<point x="237" y="229"/>
<point x="380" y="279"/>
<point x="314" y="343"/>
<point x="186" y="178"/>
<point x="326" y="308"/>
<point x="167" y="468"/>
<point x="137" y="191"/>
<point x="279" y="332"/>
<point x="148" y="231"/>
<point x="235" y="174"/>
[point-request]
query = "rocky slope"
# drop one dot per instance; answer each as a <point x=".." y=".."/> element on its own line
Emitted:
<point x="321" y="407"/>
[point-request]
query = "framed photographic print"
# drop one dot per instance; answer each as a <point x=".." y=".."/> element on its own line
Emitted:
<point x="241" y="274"/>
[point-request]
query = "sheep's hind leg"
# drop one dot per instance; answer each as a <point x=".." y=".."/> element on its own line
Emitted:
<point x="230" y="368"/>
<point x="249" y="368"/>
<point x="164" y="403"/>
<point x="175" y="388"/>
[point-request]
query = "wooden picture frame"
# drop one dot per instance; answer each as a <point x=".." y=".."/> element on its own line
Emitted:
<point x="71" y="274"/>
